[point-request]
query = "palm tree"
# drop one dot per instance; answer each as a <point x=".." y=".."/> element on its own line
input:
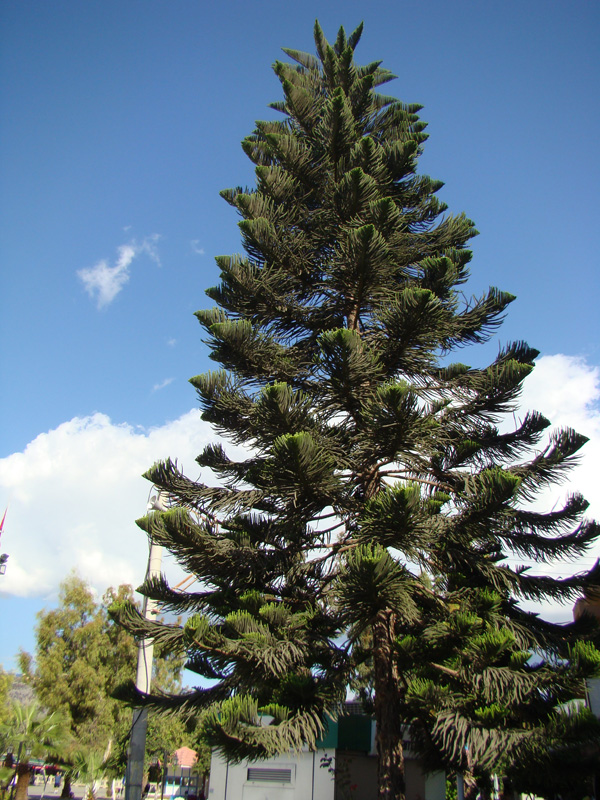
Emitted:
<point x="90" y="766"/>
<point x="32" y="732"/>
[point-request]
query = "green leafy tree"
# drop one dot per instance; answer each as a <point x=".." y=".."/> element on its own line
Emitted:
<point x="81" y="656"/>
<point x="78" y="655"/>
<point x="6" y="680"/>
<point x="6" y="770"/>
<point x="165" y="734"/>
<point x="373" y="457"/>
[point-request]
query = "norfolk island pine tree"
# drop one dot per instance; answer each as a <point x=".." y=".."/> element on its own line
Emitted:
<point x="481" y="705"/>
<point x="377" y="477"/>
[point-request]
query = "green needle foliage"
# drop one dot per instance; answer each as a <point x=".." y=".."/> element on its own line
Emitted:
<point x="481" y="702"/>
<point x="374" y="458"/>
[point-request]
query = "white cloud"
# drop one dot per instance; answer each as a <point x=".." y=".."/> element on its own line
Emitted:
<point x="195" y="244"/>
<point x="104" y="282"/>
<point x="566" y="389"/>
<point x="158" y="386"/>
<point x="74" y="494"/>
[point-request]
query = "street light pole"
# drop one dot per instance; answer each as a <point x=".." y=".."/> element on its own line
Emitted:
<point x="134" y="774"/>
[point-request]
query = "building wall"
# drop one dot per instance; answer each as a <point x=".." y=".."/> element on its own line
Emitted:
<point x="357" y="777"/>
<point x="308" y="779"/>
<point x="594" y="695"/>
<point x="312" y="778"/>
<point x="344" y="765"/>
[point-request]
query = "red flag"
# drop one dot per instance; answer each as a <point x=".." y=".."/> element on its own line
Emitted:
<point x="3" y="518"/>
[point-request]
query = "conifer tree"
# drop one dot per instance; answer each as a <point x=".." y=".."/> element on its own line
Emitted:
<point x="376" y="468"/>
<point x="481" y="705"/>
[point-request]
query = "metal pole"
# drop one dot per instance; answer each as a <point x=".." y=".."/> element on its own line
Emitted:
<point x="134" y="774"/>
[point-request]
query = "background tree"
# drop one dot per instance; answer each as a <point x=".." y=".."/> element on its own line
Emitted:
<point x="81" y="655"/>
<point x="375" y="459"/>
<point x="6" y="680"/>
<point x="77" y="656"/>
<point x="166" y="735"/>
<point x="32" y="732"/>
<point x="6" y="770"/>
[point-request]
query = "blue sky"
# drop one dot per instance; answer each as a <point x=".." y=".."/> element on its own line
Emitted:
<point x="121" y="121"/>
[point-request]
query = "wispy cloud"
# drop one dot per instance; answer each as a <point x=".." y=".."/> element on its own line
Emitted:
<point x="158" y="386"/>
<point x="195" y="243"/>
<point x="171" y="342"/>
<point x="103" y="282"/>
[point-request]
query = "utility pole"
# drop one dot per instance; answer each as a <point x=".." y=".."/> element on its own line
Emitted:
<point x="134" y="774"/>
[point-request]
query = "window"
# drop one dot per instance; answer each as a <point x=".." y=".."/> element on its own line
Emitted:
<point x="270" y="774"/>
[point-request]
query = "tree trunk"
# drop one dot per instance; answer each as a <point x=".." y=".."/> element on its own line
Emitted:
<point x="472" y="789"/>
<point x="23" y="776"/>
<point x="390" y="755"/>
<point x="66" y="790"/>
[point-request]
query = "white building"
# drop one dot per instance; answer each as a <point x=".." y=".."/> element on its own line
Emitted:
<point x="343" y="766"/>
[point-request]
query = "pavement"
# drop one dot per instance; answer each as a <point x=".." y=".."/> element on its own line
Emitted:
<point x="38" y="792"/>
